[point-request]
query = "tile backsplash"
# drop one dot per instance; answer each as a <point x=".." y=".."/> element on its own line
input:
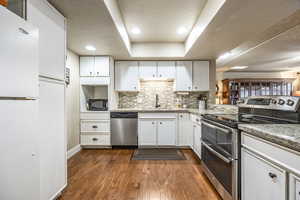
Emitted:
<point x="167" y="97"/>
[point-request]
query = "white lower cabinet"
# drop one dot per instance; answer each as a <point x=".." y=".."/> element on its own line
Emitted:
<point x="95" y="139"/>
<point x="185" y="130"/>
<point x="157" y="132"/>
<point x="294" y="187"/>
<point x="166" y="132"/>
<point x="297" y="193"/>
<point x="147" y="132"/>
<point x="197" y="139"/>
<point x="53" y="139"/>
<point x="261" y="180"/>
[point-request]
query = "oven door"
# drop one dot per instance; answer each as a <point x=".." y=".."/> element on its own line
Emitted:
<point x="222" y="139"/>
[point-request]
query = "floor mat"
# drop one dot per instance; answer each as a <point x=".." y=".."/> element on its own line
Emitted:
<point x="158" y="154"/>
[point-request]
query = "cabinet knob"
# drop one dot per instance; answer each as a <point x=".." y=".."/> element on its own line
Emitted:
<point x="153" y="75"/>
<point x="272" y="175"/>
<point x="97" y="73"/>
<point x="95" y="126"/>
<point x="197" y="120"/>
<point x="196" y="87"/>
<point x="153" y="123"/>
<point x="160" y="122"/>
<point x="181" y="116"/>
<point x="160" y="75"/>
<point x="189" y="88"/>
<point x="90" y="73"/>
<point x="95" y="139"/>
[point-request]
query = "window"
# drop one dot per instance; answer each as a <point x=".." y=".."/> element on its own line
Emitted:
<point x="18" y="7"/>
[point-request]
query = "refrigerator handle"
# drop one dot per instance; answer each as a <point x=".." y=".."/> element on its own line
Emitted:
<point x="18" y="98"/>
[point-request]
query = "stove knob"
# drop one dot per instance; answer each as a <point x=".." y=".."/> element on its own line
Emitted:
<point x="281" y="102"/>
<point x="290" y="102"/>
<point x="273" y="101"/>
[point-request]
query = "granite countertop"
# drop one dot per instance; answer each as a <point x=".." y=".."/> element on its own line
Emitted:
<point x="177" y="110"/>
<point x="287" y="135"/>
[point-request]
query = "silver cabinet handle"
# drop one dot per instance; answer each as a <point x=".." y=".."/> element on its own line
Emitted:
<point x="95" y="126"/>
<point x="95" y="139"/>
<point x="215" y="127"/>
<point x="97" y="73"/>
<point x="197" y="120"/>
<point x="227" y="160"/>
<point x="90" y="73"/>
<point x="153" y="122"/>
<point x="160" y="75"/>
<point x="181" y="116"/>
<point x="272" y="175"/>
<point x="22" y="30"/>
<point x="153" y="75"/>
<point x="160" y="122"/>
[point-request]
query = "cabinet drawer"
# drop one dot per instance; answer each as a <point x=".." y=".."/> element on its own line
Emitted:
<point x="95" y="140"/>
<point x="286" y="157"/>
<point x="184" y="116"/>
<point x="196" y="119"/>
<point x="95" y="126"/>
<point x="157" y="115"/>
<point x="95" y="115"/>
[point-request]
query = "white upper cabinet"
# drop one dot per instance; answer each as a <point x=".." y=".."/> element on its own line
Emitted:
<point x="200" y="76"/>
<point x="184" y="78"/>
<point x="148" y="69"/>
<point x="87" y="66"/>
<point x="18" y="57"/>
<point x="126" y="76"/>
<point x="166" y="69"/>
<point x="101" y="66"/>
<point x="52" y="38"/>
<point x="91" y="66"/>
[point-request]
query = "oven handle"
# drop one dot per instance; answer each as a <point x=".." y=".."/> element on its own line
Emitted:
<point x="215" y="127"/>
<point x="216" y="153"/>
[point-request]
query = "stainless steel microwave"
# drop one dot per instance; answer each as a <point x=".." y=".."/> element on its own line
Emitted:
<point x="97" y="104"/>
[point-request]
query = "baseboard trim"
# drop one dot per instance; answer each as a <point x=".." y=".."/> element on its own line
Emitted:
<point x="73" y="151"/>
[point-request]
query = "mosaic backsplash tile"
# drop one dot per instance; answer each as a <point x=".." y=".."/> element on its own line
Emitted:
<point x="168" y="99"/>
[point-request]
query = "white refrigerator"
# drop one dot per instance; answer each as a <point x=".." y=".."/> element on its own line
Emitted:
<point x="19" y="150"/>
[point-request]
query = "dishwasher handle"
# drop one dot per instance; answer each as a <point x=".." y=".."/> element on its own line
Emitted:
<point x="124" y="115"/>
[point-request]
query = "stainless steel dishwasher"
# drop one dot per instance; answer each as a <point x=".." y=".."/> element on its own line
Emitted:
<point x="124" y="129"/>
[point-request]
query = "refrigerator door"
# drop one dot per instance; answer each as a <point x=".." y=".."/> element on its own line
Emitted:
<point x="18" y="57"/>
<point x="19" y="160"/>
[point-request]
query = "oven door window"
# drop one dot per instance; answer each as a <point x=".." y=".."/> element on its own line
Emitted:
<point x="219" y="168"/>
<point x="220" y="138"/>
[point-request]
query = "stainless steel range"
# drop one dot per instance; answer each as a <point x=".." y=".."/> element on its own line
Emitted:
<point x="221" y="138"/>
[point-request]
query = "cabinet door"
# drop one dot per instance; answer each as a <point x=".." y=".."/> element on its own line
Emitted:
<point x="166" y="132"/>
<point x="185" y="130"/>
<point x="261" y="180"/>
<point x="184" y="75"/>
<point x="166" y="69"/>
<point x="148" y="69"/>
<point x="53" y="140"/>
<point x="294" y="187"/>
<point x="52" y="38"/>
<point x="101" y="67"/>
<point x="298" y="190"/>
<point x="19" y="160"/>
<point x="18" y="56"/>
<point x="147" y="132"/>
<point x="197" y="139"/>
<point x="127" y="76"/>
<point x="200" y="76"/>
<point x="87" y="64"/>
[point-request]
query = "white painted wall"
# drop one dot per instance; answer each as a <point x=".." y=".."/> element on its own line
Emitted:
<point x="72" y="100"/>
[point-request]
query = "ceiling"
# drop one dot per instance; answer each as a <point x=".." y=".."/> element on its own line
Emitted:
<point x="159" y="19"/>
<point x="264" y="33"/>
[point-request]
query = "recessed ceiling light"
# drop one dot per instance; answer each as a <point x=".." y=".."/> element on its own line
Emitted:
<point x="225" y="55"/>
<point x="136" y="31"/>
<point x="181" y="30"/>
<point x="90" y="48"/>
<point x="239" y="67"/>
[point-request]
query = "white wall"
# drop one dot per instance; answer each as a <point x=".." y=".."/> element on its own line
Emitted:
<point x="72" y="100"/>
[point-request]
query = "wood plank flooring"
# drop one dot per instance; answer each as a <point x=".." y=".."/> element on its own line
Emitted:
<point x="112" y="175"/>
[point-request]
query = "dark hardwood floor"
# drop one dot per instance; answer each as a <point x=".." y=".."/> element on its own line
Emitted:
<point x="112" y="175"/>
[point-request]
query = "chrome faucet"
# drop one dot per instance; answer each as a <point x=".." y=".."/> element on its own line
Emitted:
<point x="156" y="101"/>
